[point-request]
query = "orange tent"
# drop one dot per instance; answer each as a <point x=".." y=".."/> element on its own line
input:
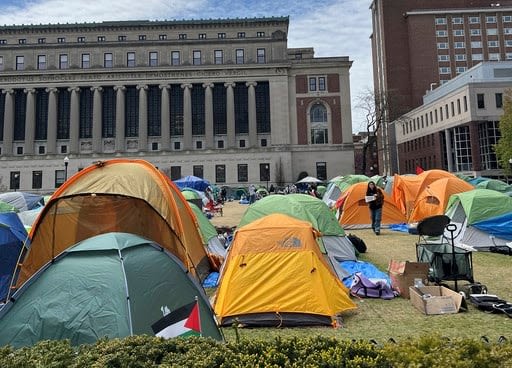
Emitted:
<point x="407" y="188"/>
<point x="434" y="198"/>
<point x="355" y="213"/>
<point x="118" y="195"/>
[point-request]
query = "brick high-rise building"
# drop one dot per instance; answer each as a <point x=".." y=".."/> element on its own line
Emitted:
<point x="418" y="45"/>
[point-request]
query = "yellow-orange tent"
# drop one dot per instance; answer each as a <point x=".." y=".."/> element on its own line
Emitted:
<point x="407" y="188"/>
<point x="118" y="195"/>
<point x="275" y="275"/>
<point x="355" y="213"/>
<point x="434" y="198"/>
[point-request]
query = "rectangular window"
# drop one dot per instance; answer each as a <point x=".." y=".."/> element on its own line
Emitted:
<point x="219" y="57"/>
<point x="241" y="35"/>
<point x="142" y="37"/>
<point x="476" y="44"/>
<point x="3" y="42"/>
<point x="321" y="170"/>
<point x="14" y="180"/>
<point x="507" y="18"/>
<point x="492" y="31"/>
<point x="80" y="39"/>
<point x="494" y="56"/>
<point x="162" y="37"/>
<point x="154" y="146"/>
<point x="202" y="36"/>
<point x="175" y="58"/>
<point x="198" y="170"/>
<point x="507" y="30"/>
<point x="475" y="32"/>
<point x="239" y="56"/>
<point x="175" y="172"/>
<point x="457" y="20"/>
<point x="312" y="84"/>
<point x="490" y="19"/>
<point x="182" y="36"/>
<point x="452" y="108"/>
<point x="508" y="43"/>
<point x="22" y="41"/>
<point x="444" y="70"/>
<point x="265" y="172"/>
<point x="37" y="179"/>
<point x="460" y="57"/>
<point x="441" y="33"/>
<point x="86" y="61"/>
<point x="121" y="38"/>
<point x="260" y="56"/>
<point x="61" y="40"/>
<point x="63" y="61"/>
<point x="480" y="102"/>
<point x="221" y="35"/>
<point x="443" y="58"/>
<point x="196" y="57"/>
<point x="130" y="59"/>
<point x="442" y="45"/>
<point x="243" y="173"/>
<point x="492" y="43"/>
<point x="177" y="146"/>
<point x="59" y="178"/>
<point x="474" y="20"/>
<point x="499" y="100"/>
<point x="260" y="34"/>
<point x="199" y="144"/>
<point x="101" y="38"/>
<point x="20" y="62"/>
<point x="465" y="102"/>
<point x="477" y="57"/>
<point x="153" y="58"/>
<point x="108" y="60"/>
<point x="41" y="40"/>
<point x="220" y="173"/>
<point x="1" y="63"/>
<point x="440" y="20"/>
<point x="508" y="56"/>
<point x="458" y="32"/>
<point x="242" y="143"/>
<point x="41" y="62"/>
<point x="321" y="83"/>
<point x="460" y="45"/>
<point x="460" y="69"/>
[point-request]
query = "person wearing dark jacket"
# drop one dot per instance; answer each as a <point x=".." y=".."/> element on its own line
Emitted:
<point x="375" y="199"/>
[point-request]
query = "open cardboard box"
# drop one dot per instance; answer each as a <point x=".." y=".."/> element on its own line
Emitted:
<point x="403" y="273"/>
<point x="436" y="300"/>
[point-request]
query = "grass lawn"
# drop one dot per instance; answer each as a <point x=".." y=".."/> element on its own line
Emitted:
<point x="384" y="319"/>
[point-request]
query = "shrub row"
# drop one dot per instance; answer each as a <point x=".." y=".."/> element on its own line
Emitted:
<point x="146" y="351"/>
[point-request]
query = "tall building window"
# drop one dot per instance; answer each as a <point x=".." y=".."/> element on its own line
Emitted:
<point x="221" y="35"/>
<point x="1" y="63"/>
<point x="265" y="172"/>
<point x="131" y="108"/>
<point x="321" y="83"/>
<point x="489" y="135"/>
<point x="2" y="110"/>
<point x="61" y="39"/>
<point x="182" y="36"/>
<point x="460" y="57"/>
<point x="321" y="170"/>
<point x="198" y="109"/>
<point x="162" y="37"/>
<point x="80" y="39"/>
<point x="260" y="34"/>
<point x="220" y="173"/>
<point x="476" y="32"/>
<point x="441" y="33"/>
<point x="490" y="19"/>
<point x="101" y="39"/>
<point x="458" y="32"/>
<point x="240" y="93"/>
<point x="142" y="37"/>
<point x="239" y="53"/>
<point x="130" y="59"/>
<point x="41" y="40"/>
<point x="154" y="111"/>
<point x="41" y="114"/>
<point x="20" y="106"/>
<point x="37" y="179"/>
<point x="219" y="57"/>
<point x="499" y="100"/>
<point x="109" y="112"/>
<point x="86" y="111"/>
<point x="202" y="36"/>
<point x="176" y="94"/>
<point x="480" y="102"/>
<point x="319" y="124"/>
<point x="63" y="113"/>
<point x="198" y="170"/>
<point x="175" y="172"/>
<point x="175" y="58"/>
<point x="63" y="61"/>
<point x="20" y="62"/>
<point x="14" y="182"/>
<point x="121" y="38"/>
<point x="262" y="93"/>
<point x="108" y="60"/>
<point x="41" y="62"/>
<point x="196" y="57"/>
<point x="474" y="20"/>
<point x="457" y="20"/>
<point x="86" y="61"/>
<point x="442" y="45"/>
<point x="476" y="44"/>
<point x="440" y="20"/>
<point x="219" y="109"/>
<point x="153" y="58"/>
<point x="312" y="83"/>
<point x="443" y="58"/>
<point x="260" y="56"/>
<point x="462" y="146"/>
<point x="243" y="173"/>
<point x="241" y="34"/>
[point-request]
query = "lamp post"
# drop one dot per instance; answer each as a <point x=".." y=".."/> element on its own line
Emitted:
<point x="66" y="163"/>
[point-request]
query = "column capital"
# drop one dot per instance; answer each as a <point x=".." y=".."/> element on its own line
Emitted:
<point x="142" y="86"/>
<point x="208" y="85"/>
<point x="229" y="84"/>
<point x="97" y="88"/>
<point x="119" y="88"/>
<point x="74" y="89"/>
<point x="52" y="90"/>
<point x="8" y="91"/>
<point x="29" y="90"/>
<point x="186" y="85"/>
<point x="251" y="83"/>
<point x="164" y="86"/>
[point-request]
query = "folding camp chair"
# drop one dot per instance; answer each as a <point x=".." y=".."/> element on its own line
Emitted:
<point x="447" y="262"/>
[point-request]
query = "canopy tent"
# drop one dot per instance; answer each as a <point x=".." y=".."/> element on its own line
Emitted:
<point x="112" y="285"/>
<point x="116" y="195"/>
<point x="434" y="198"/>
<point x="22" y="201"/>
<point x="483" y="218"/>
<point x="309" y="180"/>
<point x="13" y="237"/>
<point x="193" y="182"/>
<point x="354" y="213"/>
<point x="275" y="275"/>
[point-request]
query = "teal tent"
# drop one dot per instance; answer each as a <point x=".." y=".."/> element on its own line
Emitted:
<point x="111" y="285"/>
<point x="494" y="184"/>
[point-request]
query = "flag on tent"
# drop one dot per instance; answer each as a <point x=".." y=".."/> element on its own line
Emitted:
<point x="184" y="321"/>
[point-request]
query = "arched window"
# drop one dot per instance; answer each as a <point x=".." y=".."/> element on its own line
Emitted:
<point x="319" y="124"/>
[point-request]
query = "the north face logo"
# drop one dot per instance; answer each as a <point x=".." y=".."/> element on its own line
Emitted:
<point x="292" y="242"/>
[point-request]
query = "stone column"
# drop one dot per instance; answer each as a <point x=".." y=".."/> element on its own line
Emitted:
<point x="165" y="118"/>
<point x="51" y="138"/>
<point x="120" y="117"/>
<point x="30" y="121"/>
<point x="208" y="115"/>
<point x="230" y="115"/>
<point x="74" y="121"/>
<point x="476" y="161"/>
<point x="448" y="145"/>
<point x="253" y="130"/>
<point x="143" y="118"/>
<point x="187" y="117"/>
<point x="8" y="121"/>
<point x="97" y="119"/>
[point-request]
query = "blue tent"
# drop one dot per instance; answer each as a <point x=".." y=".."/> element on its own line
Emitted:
<point x="12" y="237"/>
<point x="22" y="201"/>
<point x="193" y="182"/>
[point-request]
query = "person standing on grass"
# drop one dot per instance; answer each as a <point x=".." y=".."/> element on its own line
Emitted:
<point x="375" y="205"/>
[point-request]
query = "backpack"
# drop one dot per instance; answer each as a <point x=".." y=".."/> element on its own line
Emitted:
<point x="364" y="287"/>
<point x="357" y="242"/>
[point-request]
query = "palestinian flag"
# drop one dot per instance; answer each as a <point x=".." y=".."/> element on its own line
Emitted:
<point x="182" y="322"/>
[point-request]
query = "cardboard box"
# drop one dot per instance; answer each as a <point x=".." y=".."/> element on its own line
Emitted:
<point x="436" y="300"/>
<point x="403" y="273"/>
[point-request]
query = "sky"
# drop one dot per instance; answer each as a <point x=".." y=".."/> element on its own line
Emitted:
<point x="331" y="27"/>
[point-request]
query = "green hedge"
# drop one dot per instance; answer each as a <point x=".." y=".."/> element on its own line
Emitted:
<point x="146" y="351"/>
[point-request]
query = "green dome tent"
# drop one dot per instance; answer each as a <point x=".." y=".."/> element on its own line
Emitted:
<point x="111" y="285"/>
<point x="208" y="233"/>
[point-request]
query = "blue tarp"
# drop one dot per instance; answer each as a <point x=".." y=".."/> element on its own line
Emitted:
<point x="12" y="237"/>
<point x="193" y="182"/>
<point x="404" y="228"/>
<point x="500" y="226"/>
<point x="369" y="270"/>
<point x="211" y="281"/>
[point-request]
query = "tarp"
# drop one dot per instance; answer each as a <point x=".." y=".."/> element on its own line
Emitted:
<point x="193" y="182"/>
<point x="117" y="195"/>
<point x="12" y="238"/>
<point x="496" y="185"/>
<point x="22" y="201"/>
<point x="276" y="275"/>
<point x="112" y="285"/>
<point x="355" y="214"/>
<point x="434" y="198"/>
